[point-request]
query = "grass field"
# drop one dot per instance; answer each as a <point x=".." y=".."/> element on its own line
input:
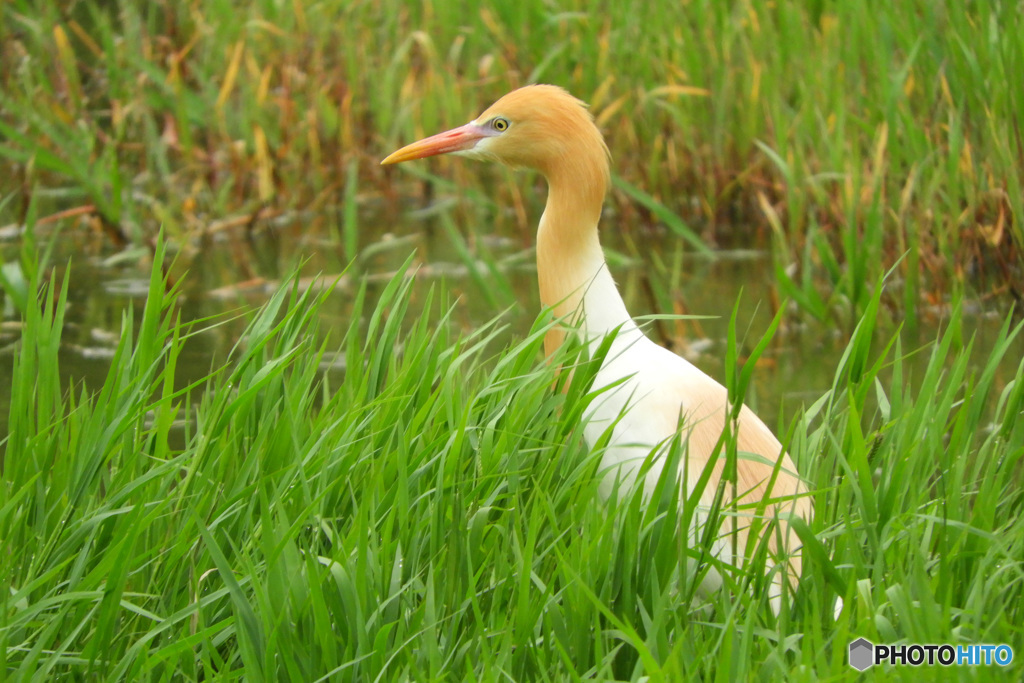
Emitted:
<point x="434" y="515"/>
<point x="401" y="498"/>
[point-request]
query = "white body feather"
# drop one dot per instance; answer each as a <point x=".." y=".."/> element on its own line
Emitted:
<point x="657" y="394"/>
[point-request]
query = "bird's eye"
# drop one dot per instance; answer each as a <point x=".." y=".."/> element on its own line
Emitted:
<point x="499" y="124"/>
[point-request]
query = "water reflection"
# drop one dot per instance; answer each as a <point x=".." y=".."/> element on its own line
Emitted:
<point x="483" y="276"/>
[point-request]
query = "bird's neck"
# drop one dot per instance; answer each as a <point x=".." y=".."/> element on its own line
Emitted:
<point x="571" y="270"/>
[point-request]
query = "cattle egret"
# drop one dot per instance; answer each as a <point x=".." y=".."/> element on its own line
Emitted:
<point x="658" y="394"/>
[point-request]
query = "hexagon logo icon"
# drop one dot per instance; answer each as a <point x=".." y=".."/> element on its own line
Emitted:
<point x="862" y="654"/>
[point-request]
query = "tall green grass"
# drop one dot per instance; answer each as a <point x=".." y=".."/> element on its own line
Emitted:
<point x="846" y="134"/>
<point x="433" y="514"/>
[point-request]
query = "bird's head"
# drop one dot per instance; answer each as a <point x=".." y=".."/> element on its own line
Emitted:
<point x="539" y="126"/>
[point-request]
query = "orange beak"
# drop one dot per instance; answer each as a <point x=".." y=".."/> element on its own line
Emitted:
<point x="455" y="140"/>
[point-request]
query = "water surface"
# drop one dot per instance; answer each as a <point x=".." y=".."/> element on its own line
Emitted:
<point x="484" y="274"/>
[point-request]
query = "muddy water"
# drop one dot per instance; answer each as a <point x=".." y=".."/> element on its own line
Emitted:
<point x="483" y="275"/>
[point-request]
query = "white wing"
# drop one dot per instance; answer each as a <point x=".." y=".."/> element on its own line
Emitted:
<point x="663" y="394"/>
